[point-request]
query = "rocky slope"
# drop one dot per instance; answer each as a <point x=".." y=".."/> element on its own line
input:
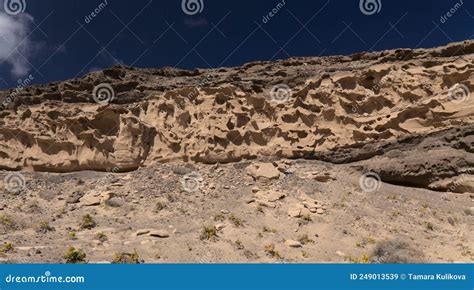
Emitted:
<point x="271" y="211"/>
<point x="309" y="159"/>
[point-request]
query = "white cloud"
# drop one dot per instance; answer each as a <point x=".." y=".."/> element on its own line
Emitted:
<point x="15" y="45"/>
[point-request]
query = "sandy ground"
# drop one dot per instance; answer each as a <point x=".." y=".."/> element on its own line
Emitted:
<point x="266" y="212"/>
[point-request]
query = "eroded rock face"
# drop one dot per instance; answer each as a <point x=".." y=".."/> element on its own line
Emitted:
<point x="441" y="160"/>
<point x="393" y="104"/>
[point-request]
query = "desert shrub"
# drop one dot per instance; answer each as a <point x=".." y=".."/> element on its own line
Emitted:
<point x="6" y="248"/>
<point x="72" y="235"/>
<point x="87" y="222"/>
<point x="7" y="221"/>
<point x="127" y="258"/>
<point x="44" y="227"/>
<point x="102" y="237"/>
<point x="208" y="234"/>
<point x="271" y="251"/>
<point x="238" y="222"/>
<point x="160" y="205"/>
<point x="305" y="239"/>
<point x="219" y="217"/>
<point x="75" y="256"/>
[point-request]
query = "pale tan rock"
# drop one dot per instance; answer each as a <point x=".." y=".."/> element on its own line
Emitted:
<point x="461" y="184"/>
<point x="220" y="226"/>
<point x="313" y="209"/>
<point x="106" y="196"/>
<point x="264" y="170"/>
<point x="305" y="212"/>
<point x="270" y="196"/>
<point x="295" y="210"/>
<point x="91" y="199"/>
<point x="293" y="244"/>
<point x="265" y="203"/>
<point x="324" y="177"/>
<point x="94" y="198"/>
<point x="340" y="254"/>
<point x="310" y="204"/>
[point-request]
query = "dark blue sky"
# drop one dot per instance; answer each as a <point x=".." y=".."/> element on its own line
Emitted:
<point x="156" y="33"/>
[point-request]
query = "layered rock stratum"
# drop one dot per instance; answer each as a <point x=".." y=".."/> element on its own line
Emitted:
<point x="365" y="158"/>
<point x="405" y="114"/>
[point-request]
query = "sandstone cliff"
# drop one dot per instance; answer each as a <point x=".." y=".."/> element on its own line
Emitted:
<point x="405" y="114"/>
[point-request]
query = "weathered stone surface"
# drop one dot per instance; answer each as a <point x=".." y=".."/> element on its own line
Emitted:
<point x="371" y="109"/>
<point x="293" y="244"/>
<point x="264" y="170"/>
